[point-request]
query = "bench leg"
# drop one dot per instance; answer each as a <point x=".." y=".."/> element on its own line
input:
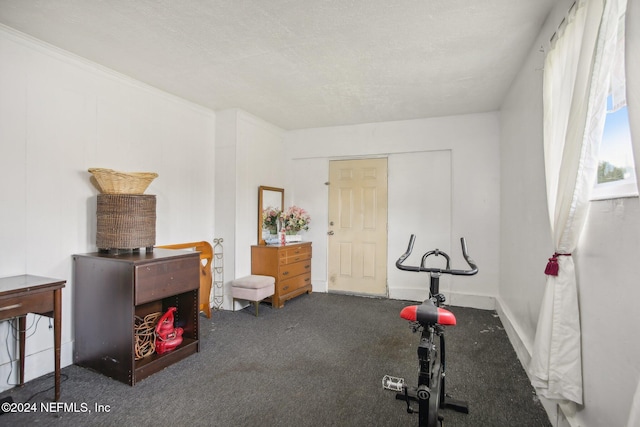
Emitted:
<point x="255" y="304"/>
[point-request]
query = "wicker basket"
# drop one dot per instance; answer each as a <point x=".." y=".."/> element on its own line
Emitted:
<point x="110" y="181"/>
<point x="125" y="221"/>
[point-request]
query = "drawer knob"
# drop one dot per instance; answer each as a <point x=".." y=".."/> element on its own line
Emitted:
<point x="285" y="273"/>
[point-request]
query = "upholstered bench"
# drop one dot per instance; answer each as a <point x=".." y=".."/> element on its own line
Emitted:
<point x="252" y="288"/>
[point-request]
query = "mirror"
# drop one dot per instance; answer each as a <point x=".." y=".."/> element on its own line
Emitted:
<point x="268" y="197"/>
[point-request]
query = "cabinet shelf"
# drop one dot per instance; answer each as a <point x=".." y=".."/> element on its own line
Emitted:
<point x="156" y="362"/>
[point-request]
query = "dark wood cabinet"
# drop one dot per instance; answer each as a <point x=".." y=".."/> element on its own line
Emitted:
<point x="110" y="290"/>
<point x="289" y="264"/>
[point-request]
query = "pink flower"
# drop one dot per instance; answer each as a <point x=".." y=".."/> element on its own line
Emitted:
<point x="295" y="219"/>
<point x="270" y="217"/>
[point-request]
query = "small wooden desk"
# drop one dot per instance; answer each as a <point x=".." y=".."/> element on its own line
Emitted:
<point x="20" y="295"/>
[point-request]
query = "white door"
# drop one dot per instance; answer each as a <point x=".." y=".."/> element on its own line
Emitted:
<point x="358" y="226"/>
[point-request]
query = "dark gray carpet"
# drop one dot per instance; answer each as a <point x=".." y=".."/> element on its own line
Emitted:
<point x="319" y="361"/>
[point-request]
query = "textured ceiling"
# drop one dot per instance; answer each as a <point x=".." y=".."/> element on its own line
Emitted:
<point x="302" y="63"/>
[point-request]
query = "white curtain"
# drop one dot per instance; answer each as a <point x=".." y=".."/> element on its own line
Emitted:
<point x="576" y="83"/>
<point x="632" y="64"/>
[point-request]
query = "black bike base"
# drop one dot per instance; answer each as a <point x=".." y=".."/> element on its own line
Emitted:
<point x="449" y="402"/>
<point x="456" y="405"/>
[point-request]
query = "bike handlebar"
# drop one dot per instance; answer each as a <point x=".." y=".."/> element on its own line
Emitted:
<point x="471" y="262"/>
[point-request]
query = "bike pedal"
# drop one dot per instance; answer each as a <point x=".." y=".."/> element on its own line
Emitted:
<point x="393" y="383"/>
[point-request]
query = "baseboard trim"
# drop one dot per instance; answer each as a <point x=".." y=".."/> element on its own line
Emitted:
<point x="482" y="302"/>
<point x="559" y="416"/>
<point x="523" y="350"/>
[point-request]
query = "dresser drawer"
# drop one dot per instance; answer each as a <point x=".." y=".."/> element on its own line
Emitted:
<point x="295" y="258"/>
<point x="291" y="285"/>
<point x="155" y="281"/>
<point x="295" y="254"/>
<point x="289" y="264"/>
<point x="291" y="270"/>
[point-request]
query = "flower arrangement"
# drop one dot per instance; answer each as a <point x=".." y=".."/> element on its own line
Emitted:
<point x="270" y="219"/>
<point x="295" y="219"/>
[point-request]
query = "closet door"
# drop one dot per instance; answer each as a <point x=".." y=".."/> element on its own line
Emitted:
<point x="358" y="226"/>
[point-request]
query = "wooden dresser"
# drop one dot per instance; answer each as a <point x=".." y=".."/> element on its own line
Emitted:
<point x="289" y="264"/>
<point x="110" y="290"/>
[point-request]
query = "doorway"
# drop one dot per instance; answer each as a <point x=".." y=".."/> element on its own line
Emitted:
<point x="358" y="226"/>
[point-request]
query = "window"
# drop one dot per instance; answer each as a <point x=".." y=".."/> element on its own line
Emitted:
<point x="616" y="170"/>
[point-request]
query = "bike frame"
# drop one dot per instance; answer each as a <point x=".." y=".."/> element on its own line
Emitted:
<point x="430" y="392"/>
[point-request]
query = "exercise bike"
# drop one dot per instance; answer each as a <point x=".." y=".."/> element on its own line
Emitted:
<point x="430" y="318"/>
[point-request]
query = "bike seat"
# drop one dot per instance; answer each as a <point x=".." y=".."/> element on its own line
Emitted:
<point x="428" y="314"/>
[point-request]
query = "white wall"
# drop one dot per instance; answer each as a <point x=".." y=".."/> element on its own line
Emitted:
<point x="225" y="194"/>
<point x="605" y="259"/>
<point x="609" y="294"/>
<point x="473" y="141"/>
<point x="59" y="116"/>
<point x="248" y="154"/>
<point x="525" y="242"/>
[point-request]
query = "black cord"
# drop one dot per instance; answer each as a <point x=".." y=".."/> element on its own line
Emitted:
<point x="34" y="326"/>
<point x="63" y="378"/>
<point x="15" y="331"/>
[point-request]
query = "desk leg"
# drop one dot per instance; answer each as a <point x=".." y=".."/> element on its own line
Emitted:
<point x="57" y="333"/>
<point x="22" y="328"/>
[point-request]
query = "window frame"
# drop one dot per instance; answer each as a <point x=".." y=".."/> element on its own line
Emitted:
<point x="618" y="189"/>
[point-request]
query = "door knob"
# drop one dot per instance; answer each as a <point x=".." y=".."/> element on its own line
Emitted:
<point x="330" y="233"/>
